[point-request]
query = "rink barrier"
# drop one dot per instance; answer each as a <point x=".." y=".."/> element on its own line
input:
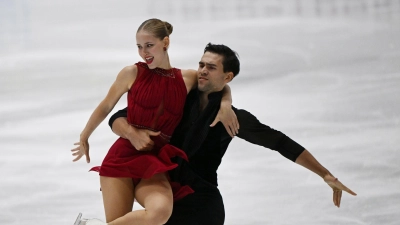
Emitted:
<point x="379" y="10"/>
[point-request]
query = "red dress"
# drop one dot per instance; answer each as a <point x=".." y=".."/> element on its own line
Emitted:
<point x="155" y="102"/>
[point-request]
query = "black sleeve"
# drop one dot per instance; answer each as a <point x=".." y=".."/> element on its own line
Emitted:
<point x="253" y="131"/>
<point x="120" y="113"/>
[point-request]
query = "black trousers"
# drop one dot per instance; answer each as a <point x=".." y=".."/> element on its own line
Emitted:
<point x="204" y="207"/>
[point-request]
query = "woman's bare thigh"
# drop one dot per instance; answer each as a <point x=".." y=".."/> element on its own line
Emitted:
<point x="154" y="193"/>
<point x="118" y="196"/>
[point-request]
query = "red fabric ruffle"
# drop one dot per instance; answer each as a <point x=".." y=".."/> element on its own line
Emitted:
<point x="123" y="160"/>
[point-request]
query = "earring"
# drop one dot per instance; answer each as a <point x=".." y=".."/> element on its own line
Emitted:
<point x="165" y="49"/>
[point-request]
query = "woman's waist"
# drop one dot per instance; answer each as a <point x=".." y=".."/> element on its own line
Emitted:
<point x="159" y="140"/>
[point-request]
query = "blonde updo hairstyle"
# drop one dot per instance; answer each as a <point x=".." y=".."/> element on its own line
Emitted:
<point x="160" y="29"/>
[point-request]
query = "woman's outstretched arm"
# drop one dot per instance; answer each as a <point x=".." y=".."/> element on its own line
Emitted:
<point x="121" y="85"/>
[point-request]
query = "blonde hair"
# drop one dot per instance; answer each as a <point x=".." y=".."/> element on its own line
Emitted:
<point x="157" y="27"/>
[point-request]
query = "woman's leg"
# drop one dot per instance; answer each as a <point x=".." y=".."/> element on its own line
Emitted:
<point x="155" y="195"/>
<point x="118" y="196"/>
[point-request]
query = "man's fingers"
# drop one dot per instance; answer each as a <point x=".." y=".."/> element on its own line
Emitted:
<point x="140" y="148"/>
<point x="87" y="158"/>
<point x="349" y="191"/>
<point x="150" y="142"/>
<point x="344" y="188"/>
<point x="153" y="133"/>
<point x="337" y="200"/>
<point x="334" y="198"/>
<point x="149" y="145"/>
<point x="149" y="148"/>
<point x="145" y="146"/>
<point x="338" y="189"/>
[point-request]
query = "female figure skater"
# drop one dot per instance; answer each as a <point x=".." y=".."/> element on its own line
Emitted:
<point x="156" y="96"/>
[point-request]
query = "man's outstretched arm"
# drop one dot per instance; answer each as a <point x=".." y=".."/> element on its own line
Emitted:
<point x="139" y="138"/>
<point x="252" y="130"/>
<point x="307" y="160"/>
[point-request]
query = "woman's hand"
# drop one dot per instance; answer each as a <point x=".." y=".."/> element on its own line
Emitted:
<point x="228" y="118"/>
<point x="337" y="188"/>
<point x="82" y="149"/>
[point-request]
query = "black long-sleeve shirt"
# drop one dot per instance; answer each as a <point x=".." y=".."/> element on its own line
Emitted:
<point x="205" y="145"/>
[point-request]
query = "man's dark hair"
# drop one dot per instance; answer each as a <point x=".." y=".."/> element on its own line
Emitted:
<point x="230" y="59"/>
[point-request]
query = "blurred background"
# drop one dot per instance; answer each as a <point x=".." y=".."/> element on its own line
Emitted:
<point x="324" y="72"/>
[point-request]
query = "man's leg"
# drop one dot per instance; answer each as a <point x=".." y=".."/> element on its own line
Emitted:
<point x="204" y="206"/>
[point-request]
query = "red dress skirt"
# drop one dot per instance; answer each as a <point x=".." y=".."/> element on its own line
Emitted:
<point x="155" y="101"/>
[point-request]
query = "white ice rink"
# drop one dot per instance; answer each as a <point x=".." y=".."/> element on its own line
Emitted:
<point x="330" y="80"/>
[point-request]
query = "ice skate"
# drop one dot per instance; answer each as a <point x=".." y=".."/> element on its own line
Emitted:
<point x="80" y="221"/>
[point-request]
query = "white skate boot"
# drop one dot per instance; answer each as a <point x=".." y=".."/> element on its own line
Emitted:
<point x="80" y="221"/>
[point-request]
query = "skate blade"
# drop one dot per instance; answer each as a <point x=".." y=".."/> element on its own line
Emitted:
<point x="78" y="219"/>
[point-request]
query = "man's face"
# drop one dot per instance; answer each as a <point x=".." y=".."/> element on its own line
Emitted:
<point x="211" y="76"/>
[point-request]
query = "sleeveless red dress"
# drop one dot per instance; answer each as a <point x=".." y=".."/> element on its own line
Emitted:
<point x="155" y="102"/>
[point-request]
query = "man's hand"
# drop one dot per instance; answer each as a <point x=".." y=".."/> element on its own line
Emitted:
<point x="337" y="188"/>
<point x="228" y="118"/>
<point x="140" y="138"/>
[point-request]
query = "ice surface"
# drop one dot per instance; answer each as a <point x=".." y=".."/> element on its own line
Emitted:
<point x="332" y="83"/>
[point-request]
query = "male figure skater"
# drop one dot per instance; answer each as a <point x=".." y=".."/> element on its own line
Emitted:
<point x="205" y="145"/>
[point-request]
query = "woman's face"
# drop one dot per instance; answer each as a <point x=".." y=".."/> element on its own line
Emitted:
<point x="150" y="48"/>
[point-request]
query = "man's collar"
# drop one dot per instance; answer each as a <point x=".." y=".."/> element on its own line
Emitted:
<point x="213" y="96"/>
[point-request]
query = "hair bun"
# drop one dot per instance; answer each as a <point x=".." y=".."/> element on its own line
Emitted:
<point x="169" y="27"/>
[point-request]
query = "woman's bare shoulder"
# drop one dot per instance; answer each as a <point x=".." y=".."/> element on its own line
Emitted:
<point x="128" y="75"/>
<point x="188" y="72"/>
<point x="130" y="69"/>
